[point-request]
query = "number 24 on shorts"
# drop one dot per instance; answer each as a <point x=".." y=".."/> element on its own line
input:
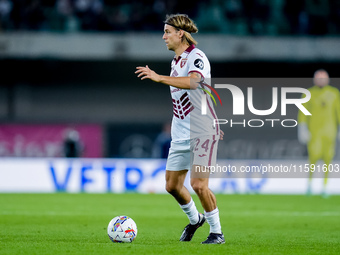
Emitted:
<point x="204" y="145"/>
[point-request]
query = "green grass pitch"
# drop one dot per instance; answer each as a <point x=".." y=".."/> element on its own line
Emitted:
<point x="252" y="224"/>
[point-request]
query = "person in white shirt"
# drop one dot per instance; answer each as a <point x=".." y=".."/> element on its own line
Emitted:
<point x="194" y="137"/>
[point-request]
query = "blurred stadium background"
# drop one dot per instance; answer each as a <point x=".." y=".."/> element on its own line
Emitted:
<point x="68" y="87"/>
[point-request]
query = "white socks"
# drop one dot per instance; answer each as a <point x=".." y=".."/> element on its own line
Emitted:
<point x="191" y="211"/>
<point x="213" y="219"/>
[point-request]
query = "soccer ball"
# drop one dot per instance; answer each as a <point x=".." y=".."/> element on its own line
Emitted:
<point x="122" y="229"/>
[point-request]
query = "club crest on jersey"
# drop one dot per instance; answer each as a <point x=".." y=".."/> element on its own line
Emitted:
<point x="183" y="62"/>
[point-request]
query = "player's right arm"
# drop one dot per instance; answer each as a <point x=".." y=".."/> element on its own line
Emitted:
<point x="189" y="82"/>
<point x="303" y="131"/>
<point x="302" y="118"/>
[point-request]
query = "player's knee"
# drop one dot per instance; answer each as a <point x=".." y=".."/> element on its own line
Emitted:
<point x="172" y="187"/>
<point x="198" y="186"/>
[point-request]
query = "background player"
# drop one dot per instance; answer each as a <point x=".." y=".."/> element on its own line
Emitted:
<point x="319" y="130"/>
<point x="194" y="139"/>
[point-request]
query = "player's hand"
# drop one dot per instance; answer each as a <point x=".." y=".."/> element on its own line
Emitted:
<point x="147" y="73"/>
<point x="303" y="133"/>
<point x="221" y="135"/>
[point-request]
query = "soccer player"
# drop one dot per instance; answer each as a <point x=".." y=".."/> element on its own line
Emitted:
<point x="320" y="129"/>
<point x="194" y="137"/>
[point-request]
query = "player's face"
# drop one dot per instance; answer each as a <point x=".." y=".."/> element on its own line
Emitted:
<point x="321" y="79"/>
<point x="171" y="37"/>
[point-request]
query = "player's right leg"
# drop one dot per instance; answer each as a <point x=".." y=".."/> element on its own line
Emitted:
<point x="177" y="167"/>
<point x="175" y="186"/>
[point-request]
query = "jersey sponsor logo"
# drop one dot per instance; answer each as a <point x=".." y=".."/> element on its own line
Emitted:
<point x="199" y="63"/>
<point x="183" y="62"/>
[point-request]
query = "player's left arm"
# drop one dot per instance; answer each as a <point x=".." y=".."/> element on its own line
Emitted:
<point x="337" y="110"/>
<point x="302" y="118"/>
<point x="189" y="82"/>
<point x="221" y="134"/>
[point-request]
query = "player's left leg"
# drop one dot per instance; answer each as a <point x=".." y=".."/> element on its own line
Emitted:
<point x="203" y="155"/>
<point x="324" y="192"/>
<point x="329" y="151"/>
<point x="200" y="184"/>
<point x="314" y="155"/>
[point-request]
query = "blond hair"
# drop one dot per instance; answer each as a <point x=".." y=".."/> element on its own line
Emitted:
<point x="183" y="22"/>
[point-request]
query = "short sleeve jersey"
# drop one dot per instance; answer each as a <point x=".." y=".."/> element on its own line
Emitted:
<point x="187" y="121"/>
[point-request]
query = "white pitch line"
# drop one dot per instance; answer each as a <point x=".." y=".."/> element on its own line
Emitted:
<point x="242" y="213"/>
<point x="287" y="213"/>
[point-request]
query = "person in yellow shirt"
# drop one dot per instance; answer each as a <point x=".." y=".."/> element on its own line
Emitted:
<point x="319" y="130"/>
